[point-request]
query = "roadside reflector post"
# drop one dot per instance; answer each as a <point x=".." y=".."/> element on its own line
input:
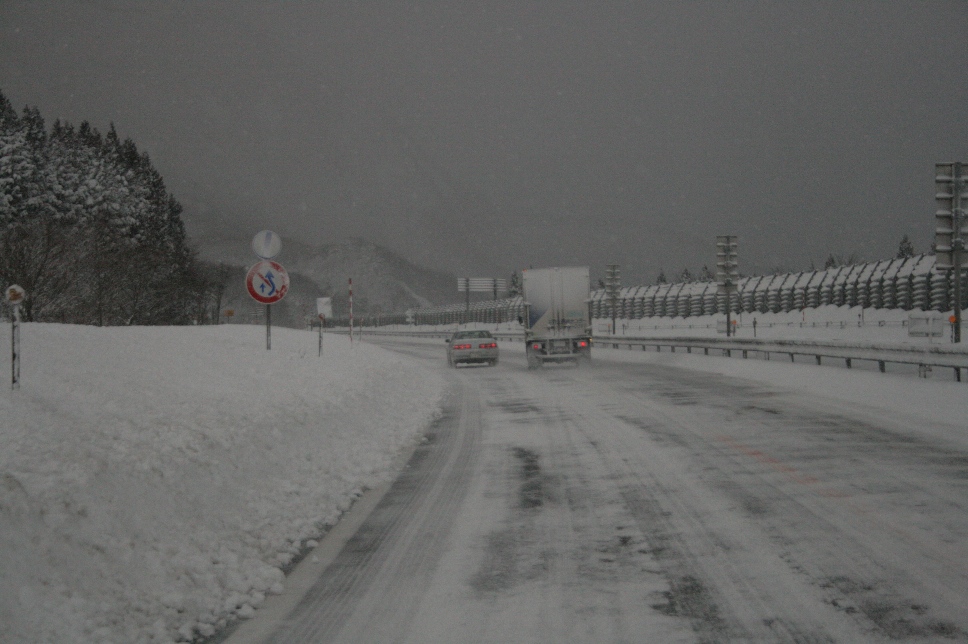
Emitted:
<point x="15" y="295"/>
<point x="15" y="347"/>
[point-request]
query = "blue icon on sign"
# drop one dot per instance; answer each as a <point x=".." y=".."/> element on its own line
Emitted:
<point x="267" y="279"/>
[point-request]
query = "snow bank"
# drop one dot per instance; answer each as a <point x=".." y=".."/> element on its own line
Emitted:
<point x="154" y="482"/>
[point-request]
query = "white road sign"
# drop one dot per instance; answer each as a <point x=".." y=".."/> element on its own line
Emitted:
<point x="266" y="244"/>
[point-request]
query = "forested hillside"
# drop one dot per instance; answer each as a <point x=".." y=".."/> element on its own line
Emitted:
<point x="89" y="230"/>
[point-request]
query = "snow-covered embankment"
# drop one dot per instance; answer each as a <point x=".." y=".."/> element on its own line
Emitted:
<point x="154" y="481"/>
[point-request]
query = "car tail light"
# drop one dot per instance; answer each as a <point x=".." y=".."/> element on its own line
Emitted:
<point x="583" y="344"/>
<point x="490" y="345"/>
<point x="536" y="346"/>
<point x="462" y="346"/>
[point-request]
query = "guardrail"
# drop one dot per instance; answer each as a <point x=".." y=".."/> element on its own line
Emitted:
<point x="925" y="358"/>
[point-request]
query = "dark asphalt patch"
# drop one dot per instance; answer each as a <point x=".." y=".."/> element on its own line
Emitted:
<point x="510" y="555"/>
<point x="894" y="616"/>
<point x="518" y="407"/>
<point x="531" y="493"/>
<point x="689" y="598"/>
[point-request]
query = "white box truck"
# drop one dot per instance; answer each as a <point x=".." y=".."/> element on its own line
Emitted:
<point x="557" y="321"/>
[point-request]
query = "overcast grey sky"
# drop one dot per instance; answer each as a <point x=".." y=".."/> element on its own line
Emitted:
<point x="487" y="136"/>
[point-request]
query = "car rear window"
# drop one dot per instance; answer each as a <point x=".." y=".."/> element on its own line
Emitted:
<point x="472" y="334"/>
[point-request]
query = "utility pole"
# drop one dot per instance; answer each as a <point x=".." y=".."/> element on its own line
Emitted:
<point x="613" y="284"/>
<point x="727" y="275"/>
<point x="951" y="194"/>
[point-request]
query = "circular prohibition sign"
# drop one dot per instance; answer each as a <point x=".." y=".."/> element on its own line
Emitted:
<point x="267" y="282"/>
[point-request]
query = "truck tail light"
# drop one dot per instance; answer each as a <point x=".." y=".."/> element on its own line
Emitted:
<point x="490" y="345"/>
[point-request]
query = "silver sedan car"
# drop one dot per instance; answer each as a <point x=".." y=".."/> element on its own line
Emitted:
<point x="471" y="347"/>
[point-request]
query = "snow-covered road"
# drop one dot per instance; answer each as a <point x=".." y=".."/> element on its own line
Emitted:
<point x="660" y="498"/>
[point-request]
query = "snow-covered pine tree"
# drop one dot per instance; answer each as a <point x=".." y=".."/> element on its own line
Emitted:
<point x="905" y="248"/>
<point x="89" y="229"/>
<point x="514" y="285"/>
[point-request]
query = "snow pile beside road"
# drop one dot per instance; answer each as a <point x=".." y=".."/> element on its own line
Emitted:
<point x="155" y="481"/>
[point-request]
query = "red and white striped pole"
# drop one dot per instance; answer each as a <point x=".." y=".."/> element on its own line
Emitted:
<point x="351" y="310"/>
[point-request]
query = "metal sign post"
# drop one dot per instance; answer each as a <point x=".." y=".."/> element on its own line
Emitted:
<point x="15" y="296"/>
<point x="324" y="308"/>
<point x="322" y="321"/>
<point x="351" y="310"/>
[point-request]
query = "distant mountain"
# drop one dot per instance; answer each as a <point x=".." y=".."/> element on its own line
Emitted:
<point x="383" y="282"/>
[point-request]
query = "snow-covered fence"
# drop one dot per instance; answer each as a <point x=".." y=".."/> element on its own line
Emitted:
<point x="491" y="311"/>
<point x="910" y="284"/>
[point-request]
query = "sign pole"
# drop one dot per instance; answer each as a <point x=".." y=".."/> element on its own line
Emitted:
<point x="268" y="327"/>
<point x="15" y="344"/>
<point x="322" y="320"/>
<point x="351" y="310"/>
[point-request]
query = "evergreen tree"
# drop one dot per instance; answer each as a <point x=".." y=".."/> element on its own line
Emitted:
<point x="686" y="276"/>
<point x="905" y="248"/>
<point x="514" y="285"/>
<point x="706" y="275"/>
<point x="88" y="228"/>
<point x="661" y="278"/>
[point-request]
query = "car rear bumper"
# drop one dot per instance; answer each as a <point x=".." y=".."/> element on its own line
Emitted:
<point x="478" y="356"/>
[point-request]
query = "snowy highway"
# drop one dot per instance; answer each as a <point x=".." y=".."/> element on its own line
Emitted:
<point x="650" y="498"/>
